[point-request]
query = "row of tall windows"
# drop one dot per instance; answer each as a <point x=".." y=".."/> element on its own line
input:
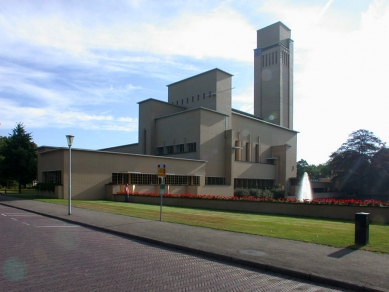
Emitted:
<point x="119" y="178"/>
<point x="193" y="98"/>
<point x="213" y="180"/>
<point x="253" y="183"/>
<point x="176" y="149"/>
<point x="249" y="157"/>
<point x="52" y="177"/>
<point x="152" y="179"/>
<point x="269" y="59"/>
<point x="285" y="58"/>
<point x="272" y="58"/>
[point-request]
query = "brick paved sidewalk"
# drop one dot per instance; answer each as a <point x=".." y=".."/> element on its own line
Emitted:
<point x="346" y="268"/>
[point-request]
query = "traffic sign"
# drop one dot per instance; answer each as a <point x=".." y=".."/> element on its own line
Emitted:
<point x="161" y="170"/>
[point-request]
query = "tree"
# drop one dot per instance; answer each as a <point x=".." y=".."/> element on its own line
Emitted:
<point x="379" y="174"/>
<point x="351" y="163"/>
<point x="3" y="179"/>
<point x="19" y="156"/>
<point x="314" y="171"/>
<point x="302" y="166"/>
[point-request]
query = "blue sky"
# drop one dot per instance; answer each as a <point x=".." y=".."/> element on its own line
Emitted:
<point x="80" y="67"/>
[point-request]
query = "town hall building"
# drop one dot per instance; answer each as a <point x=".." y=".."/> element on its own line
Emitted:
<point x="207" y="146"/>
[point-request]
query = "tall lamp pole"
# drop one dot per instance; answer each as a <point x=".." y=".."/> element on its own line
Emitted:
<point x="69" y="139"/>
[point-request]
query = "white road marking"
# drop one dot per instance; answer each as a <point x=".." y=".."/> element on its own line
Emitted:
<point x="56" y="226"/>
<point x="18" y="214"/>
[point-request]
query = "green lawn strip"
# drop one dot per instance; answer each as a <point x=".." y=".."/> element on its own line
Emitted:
<point x="28" y="193"/>
<point x="314" y="230"/>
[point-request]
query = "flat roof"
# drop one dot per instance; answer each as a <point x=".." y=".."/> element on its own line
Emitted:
<point x="216" y="69"/>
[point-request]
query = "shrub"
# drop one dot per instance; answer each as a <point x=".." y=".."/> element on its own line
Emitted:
<point x="267" y="194"/>
<point x="278" y="193"/>
<point x="241" y="192"/>
<point x="257" y="193"/>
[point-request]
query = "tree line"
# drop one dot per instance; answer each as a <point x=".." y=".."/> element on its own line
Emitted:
<point x="360" y="166"/>
<point x="18" y="158"/>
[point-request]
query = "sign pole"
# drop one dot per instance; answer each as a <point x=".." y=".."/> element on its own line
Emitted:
<point x="161" y="192"/>
<point x="161" y="174"/>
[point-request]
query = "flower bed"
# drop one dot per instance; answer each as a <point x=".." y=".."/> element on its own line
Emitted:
<point x="318" y="201"/>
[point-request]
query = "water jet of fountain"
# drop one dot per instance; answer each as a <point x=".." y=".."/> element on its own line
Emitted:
<point x="305" y="191"/>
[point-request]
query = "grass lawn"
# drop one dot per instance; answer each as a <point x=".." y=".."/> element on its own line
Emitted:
<point x="334" y="233"/>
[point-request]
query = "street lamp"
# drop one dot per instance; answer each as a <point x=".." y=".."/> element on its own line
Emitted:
<point x="69" y="139"/>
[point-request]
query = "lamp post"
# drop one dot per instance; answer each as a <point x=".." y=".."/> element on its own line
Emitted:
<point x="69" y="139"/>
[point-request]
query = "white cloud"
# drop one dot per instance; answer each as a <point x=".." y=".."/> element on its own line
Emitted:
<point x="221" y="32"/>
<point x="70" y="64"/>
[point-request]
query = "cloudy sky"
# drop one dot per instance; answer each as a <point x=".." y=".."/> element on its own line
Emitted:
<point x="80" y="67"/>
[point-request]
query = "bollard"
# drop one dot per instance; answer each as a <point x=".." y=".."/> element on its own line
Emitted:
<point x="362" y="228"/>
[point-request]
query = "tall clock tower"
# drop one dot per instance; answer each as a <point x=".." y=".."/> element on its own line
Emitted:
<point x="273" y="75"/>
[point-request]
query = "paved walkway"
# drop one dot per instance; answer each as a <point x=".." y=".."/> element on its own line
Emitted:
<point x="346" y="268"/>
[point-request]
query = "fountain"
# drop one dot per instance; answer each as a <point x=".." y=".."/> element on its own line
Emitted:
<point x="305" y="191"/>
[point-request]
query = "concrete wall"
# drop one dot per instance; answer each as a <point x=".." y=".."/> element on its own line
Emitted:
<point x="272" y="34"/>
<point x="377" y="214"/>
<point x="213" y="143"/>
<point x="246" y="130"/>
<point x="149" y="110"/>
<point x="211" y="89"/>
<point x="180" y="128"/>
<point x="92" y="170"/>
<point x="57" y="194"/>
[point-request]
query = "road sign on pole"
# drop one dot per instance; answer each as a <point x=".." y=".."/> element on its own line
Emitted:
<point x="161" y="170"/>
<point x="162" y="175"/>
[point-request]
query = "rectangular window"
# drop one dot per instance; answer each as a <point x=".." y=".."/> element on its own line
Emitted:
<point x="143" y="179"/>
<point x="253" y="183"/>
<point x="195" y="180"/>
<point x="176" y="180"/>
<point x="198" y="96"/>
<point x="170" y="149"/>
<point x="187" y="100"/>
<point x="182" y="101"/>
<point x="159" y="151"/>
<point x="209" y="95"/>
<point x="192" y="147"/>
<point x="213" y="180"/>
<point x="119" y="178"/>
<point x="248" y="152"/>
<point x="52" y="177"/>
<point x="204" y="95"/>
<point x="192" y="98"/>
<point x="180" y="148"/>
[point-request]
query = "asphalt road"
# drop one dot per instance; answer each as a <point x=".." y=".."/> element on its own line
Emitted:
<point x="38" y="253"/>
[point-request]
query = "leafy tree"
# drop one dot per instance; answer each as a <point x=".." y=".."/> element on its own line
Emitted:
<point x="3" y="179"/>
<point x="352" y="161"/>
<point x="19" y="156"/>
<point x="302" y="166"/>
<point x="314" y="171"/>
<point x="379" y="174"/>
